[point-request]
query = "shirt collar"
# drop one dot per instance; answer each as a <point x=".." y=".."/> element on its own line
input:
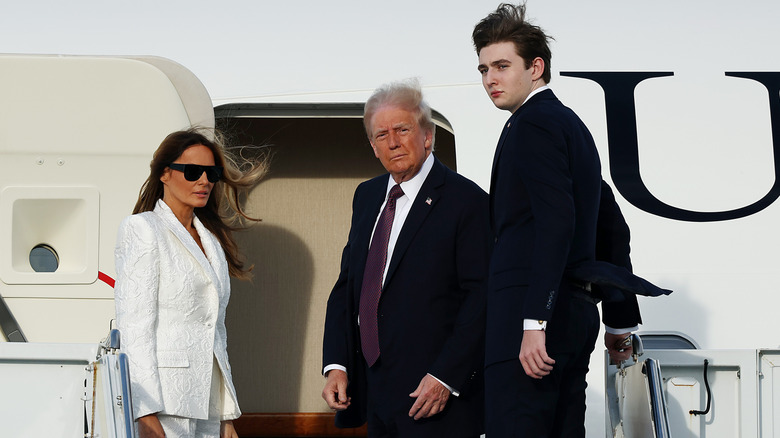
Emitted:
<point x="537" y="91"/>
<point x="413" y="186"/>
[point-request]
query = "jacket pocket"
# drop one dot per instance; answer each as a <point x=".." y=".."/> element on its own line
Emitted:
<point x="173" y="359"/>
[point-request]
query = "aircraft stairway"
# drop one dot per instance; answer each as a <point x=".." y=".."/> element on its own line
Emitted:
<point x="672" y="388"/>
<point x="65" y="390"/>
<point x="637" y="404"/>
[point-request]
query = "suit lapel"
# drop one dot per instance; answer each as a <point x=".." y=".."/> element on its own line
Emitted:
<point x="170" y="221"/>
<point x="424" y="203"/>
<point x="497" y="154"/>
<point x="214" y="253"/>
<point x="501" y="139"/>
<point x="543" y="95"/>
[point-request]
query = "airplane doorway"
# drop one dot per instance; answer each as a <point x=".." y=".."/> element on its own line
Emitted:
<point x="319" y="154"/>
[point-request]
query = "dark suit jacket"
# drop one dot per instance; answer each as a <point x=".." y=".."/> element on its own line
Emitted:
<point x="432" y="307"/>
<point x="613" y="238"/>
<point x="544" y="199"/>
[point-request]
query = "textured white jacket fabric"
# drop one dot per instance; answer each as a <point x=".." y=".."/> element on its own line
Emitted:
<point x="170" y="309"/>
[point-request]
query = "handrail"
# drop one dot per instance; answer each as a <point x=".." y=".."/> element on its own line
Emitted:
<point x="118" y="413"/>
<point x="11" y="329"/>
<point x="127" y="399"/>
<point x="658" y="411"/>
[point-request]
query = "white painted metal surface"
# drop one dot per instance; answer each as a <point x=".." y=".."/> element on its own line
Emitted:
<point x="50" y="390"/>
<point x="744" y="388"/>
<point x="44" y="385"/>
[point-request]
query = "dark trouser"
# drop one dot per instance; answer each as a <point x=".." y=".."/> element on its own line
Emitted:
<point x="388" y="412"/>
<point x="381" y="426"/>
<point x="554" y="406"/>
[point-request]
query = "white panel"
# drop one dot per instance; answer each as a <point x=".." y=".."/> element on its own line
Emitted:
<point x="84" y="105"/>
<point x="65" y="218"/>
<point x="683" y="392"/>
<point x="634" y="403"/>
<point x="733" y="379"/>
<point x="47" y="386"/>
<point x="769" y="361"/>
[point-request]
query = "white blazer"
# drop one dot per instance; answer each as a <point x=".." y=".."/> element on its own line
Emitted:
<point x="170" y="309"/>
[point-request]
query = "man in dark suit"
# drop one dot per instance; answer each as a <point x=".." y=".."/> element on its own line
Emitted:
<point x="545" y="200"/>
<point x="404" y="332"/>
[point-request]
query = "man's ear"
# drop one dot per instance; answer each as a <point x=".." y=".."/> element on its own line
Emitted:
<point x="538" y="68"/>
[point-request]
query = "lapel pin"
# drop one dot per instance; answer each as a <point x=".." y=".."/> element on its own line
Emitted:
<point x="428" y="201"/>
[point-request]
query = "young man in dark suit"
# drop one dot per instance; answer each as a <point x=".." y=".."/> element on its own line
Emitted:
<point x="404" y="331"/>
<point x="545" y="195"/>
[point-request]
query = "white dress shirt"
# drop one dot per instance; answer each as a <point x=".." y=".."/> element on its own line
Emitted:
<point x="402" y="206"/>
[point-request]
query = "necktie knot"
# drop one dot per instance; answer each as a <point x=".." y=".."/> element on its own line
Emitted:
<point x="395" y="193"/>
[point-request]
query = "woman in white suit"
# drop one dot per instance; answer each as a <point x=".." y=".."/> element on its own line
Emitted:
<point x="174" y="257"/>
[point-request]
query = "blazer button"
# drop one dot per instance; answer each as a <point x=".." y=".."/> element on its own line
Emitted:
<point x="208" y="324"/>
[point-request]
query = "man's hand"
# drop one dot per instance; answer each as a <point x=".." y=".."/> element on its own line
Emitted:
<point x="431" y="397"/>
<point x="226" y="430"/>
<point x="618" y="346"/>
<point x="533" y="354"/>
<point x="335" y="391"/>
<point x="149" y="427"/>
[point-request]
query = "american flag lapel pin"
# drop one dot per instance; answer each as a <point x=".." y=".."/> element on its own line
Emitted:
<point x="428" y="201"/>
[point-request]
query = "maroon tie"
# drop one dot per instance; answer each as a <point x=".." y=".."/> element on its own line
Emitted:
<point x="372" y="279"/>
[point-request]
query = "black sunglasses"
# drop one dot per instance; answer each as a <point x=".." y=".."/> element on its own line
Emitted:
<point x="193" y="172"/>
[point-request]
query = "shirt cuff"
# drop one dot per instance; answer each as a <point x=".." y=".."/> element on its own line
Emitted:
<point x="333" y="367"/>
<point x="620" y="331"/>
<point x="534" y="324"/>
<point x="449" y="388"/>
